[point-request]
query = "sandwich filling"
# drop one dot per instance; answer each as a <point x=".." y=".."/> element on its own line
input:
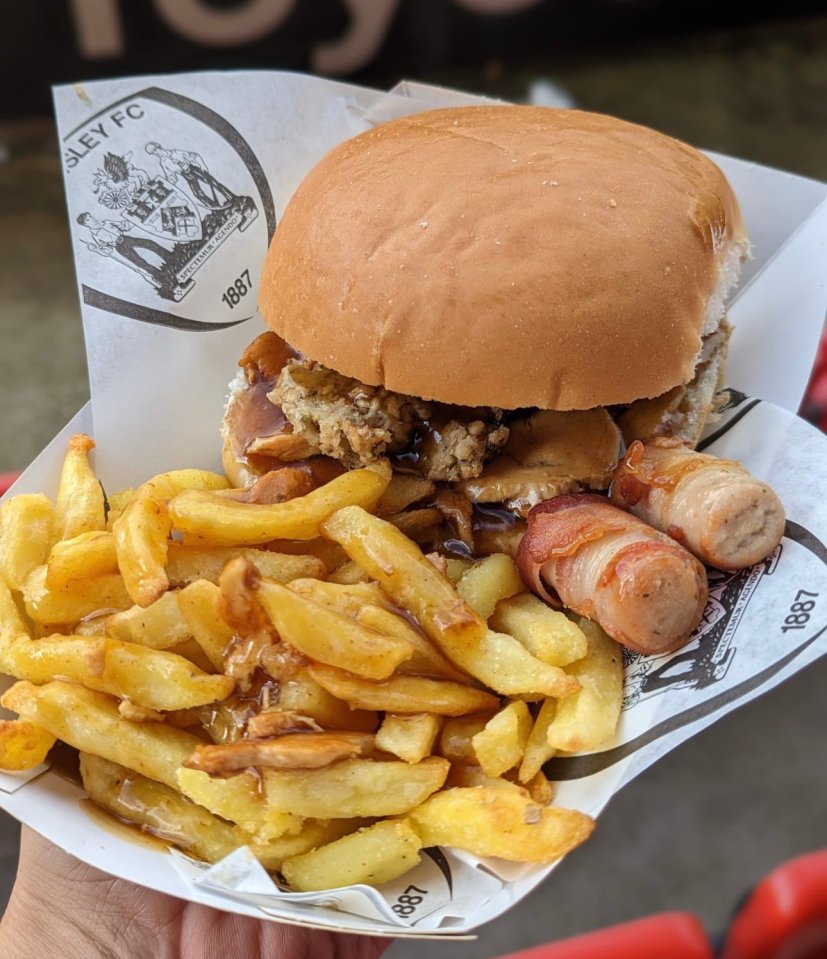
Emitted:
<point x="285" y="409"/>
<point x="358" y="424"/>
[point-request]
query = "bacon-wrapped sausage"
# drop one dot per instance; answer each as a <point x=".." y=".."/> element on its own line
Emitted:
<point x="643" y="588"/>
<point x="714" y="507"/>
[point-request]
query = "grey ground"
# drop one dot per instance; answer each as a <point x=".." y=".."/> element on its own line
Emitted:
<point x="695" y="831"/>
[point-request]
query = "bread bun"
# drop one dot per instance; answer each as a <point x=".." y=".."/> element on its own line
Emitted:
<point x="507" y="256"/>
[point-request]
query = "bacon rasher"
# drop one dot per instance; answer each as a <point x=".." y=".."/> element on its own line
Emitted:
<point x="714" y="507"/>
<point x="644" y="589"/>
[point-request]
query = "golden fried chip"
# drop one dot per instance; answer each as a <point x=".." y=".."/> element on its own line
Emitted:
<point x="456" y="738"/>
<point x="538" y="751"/>
<point x="76" y="600"/>
<point x="200" y="606"/>
<point x="85" y="555"/>
<point x="213" y="520"/>
<point x="488" y="581"/>
<point x="355" y="787"/>
<point x="374" y="855"/>
<point x="23" y="745"/>
<point x="500" y="822"/>
<point x="546" y="633"/>
<point x="142" y="530"/>
<point x="588" y="719"/>
<point x="403" y="694"/>
<point x="187" y="564"/>
<point x="410" y="737"/>
<point x="150" y="678"/>
<point x="80" y="504"/>
<point x="500" y="746"/>
<point x="26" y="534"/>
<point x="331" y="637"/>
<point x="159" y="625"/>
<point x="407" y="577"/>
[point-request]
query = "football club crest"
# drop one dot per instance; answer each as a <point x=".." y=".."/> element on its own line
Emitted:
<point x="156" y="202"/>
<point x="170" y="219"/>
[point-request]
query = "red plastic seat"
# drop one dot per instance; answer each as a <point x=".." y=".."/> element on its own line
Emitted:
<point x="671" y="935"/>
<point x="814" y="406"/>
<point x="6" y="479"/>
<point x="786" y="915"/>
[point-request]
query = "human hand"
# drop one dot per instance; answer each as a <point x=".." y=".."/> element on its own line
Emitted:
<point x="62" y="907"/>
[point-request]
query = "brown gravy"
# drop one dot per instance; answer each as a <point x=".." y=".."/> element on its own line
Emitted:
<point x="123" y="828"/>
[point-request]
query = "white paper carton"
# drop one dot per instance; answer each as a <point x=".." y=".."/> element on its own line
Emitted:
<point x="174" y="187"/>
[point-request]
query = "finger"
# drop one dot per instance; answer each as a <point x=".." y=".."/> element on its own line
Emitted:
<point x="209" y="934"/>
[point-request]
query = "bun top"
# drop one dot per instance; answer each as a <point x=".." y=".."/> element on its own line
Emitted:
<point x="506" y="256"/>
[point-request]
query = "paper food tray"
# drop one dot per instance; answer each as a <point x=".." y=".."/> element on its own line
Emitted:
<point x="162" y="347"/>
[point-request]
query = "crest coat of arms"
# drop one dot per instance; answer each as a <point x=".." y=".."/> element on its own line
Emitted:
<point x="162" y="219"/>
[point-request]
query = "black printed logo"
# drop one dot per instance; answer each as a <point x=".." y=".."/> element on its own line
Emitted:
<point x="169" y="220"/>
<point x="708" y="655"/>
<point x="157" y="184"/>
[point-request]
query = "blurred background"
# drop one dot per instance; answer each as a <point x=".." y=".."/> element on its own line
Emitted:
<point x="747" y="79"/>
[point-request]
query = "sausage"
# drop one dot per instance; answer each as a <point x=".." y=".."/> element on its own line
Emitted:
<point x="714" y="507"/>
<point x="644" y="589"/>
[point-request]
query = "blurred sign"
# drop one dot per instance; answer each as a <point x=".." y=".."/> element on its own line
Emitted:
<point x="47" y="41"/>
